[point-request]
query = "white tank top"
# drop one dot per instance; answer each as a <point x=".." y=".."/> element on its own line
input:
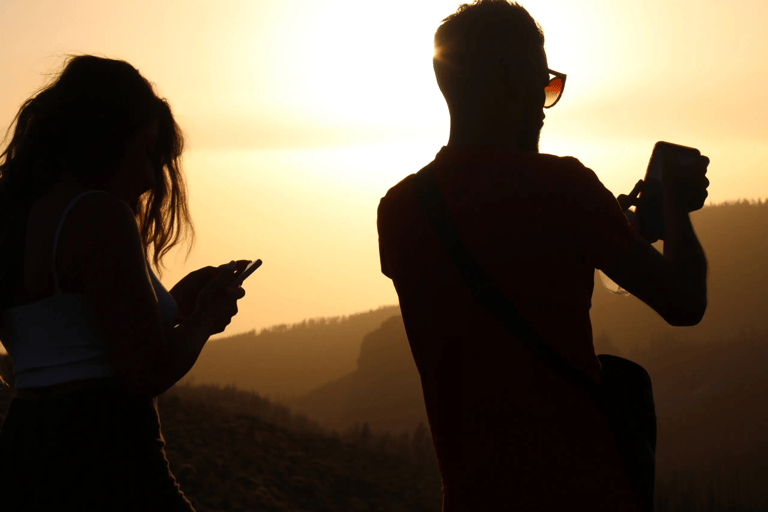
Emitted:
<point x="57" y="339"/>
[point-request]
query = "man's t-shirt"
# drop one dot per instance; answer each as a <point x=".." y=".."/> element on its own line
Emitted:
<point x="508" y="430"/>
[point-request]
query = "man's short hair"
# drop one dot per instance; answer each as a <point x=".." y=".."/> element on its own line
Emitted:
<point x="476" y="35"/>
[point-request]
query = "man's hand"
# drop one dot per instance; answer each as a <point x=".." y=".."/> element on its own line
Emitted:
<point x="188" y="288"/>
<point x="625" y="201"/>
<point x="687" y="185"/>
<point x="675" y="284"/>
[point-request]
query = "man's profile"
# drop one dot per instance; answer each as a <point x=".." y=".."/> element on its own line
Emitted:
<point x="510" y="432"/>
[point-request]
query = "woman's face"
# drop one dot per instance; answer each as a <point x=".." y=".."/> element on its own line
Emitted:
<point x="136" y="173"/>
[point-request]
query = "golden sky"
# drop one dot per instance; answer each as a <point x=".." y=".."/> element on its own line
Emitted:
<point x="300" y="115"/>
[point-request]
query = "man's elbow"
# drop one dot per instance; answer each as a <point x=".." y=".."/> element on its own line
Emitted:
<point x="686" y="315"/>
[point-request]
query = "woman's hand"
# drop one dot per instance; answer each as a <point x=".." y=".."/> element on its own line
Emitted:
<point x="189" y="287"/>
<point x="217" y="301"/>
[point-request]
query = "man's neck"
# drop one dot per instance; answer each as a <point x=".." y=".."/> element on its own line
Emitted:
<point x="464" y="134"/>
<point x="454" y="140"/>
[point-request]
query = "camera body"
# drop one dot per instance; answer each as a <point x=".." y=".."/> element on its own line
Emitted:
<point x="650" y="209"/>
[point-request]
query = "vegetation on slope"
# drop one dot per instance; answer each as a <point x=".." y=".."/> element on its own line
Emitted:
<point x="229" y="460"/>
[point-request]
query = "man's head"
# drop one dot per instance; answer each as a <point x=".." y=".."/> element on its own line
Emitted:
<point x="491" y="67"/>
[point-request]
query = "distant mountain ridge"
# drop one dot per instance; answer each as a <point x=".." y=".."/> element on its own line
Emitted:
<point x="288" y="360"/>
<point x="384" y="391"/>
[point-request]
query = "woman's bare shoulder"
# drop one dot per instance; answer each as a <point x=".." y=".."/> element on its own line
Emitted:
<point x="75" y="237"/>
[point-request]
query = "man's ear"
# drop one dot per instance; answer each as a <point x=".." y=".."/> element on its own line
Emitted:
<point x="507" y="72"/>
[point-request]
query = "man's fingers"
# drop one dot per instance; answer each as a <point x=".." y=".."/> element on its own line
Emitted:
<point x="624" y="201"/>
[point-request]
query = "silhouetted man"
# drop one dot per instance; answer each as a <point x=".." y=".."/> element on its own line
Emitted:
<point x="510" y="433"/>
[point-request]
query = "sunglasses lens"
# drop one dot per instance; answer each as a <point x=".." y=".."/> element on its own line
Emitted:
<point x="553" y="91"/>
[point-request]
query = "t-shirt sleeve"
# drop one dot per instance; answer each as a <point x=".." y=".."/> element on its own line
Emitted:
<point x="599" y="228"/>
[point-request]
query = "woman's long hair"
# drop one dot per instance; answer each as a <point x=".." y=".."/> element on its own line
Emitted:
<point x="81" y="123"/>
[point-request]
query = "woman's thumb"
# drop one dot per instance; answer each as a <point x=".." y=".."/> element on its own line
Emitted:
<point x="225" y="271"/>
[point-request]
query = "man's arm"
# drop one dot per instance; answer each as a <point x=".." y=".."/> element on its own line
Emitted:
<point x="675" y="284"/>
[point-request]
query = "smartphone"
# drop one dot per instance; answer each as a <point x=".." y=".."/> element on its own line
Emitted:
<point x="250" y="269"/>
<point x="651" y="211"/>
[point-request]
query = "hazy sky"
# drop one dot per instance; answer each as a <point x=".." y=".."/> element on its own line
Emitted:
<point x="300" y="115"/>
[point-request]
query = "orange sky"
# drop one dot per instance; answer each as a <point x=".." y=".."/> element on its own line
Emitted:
<point x="300" y="115"/>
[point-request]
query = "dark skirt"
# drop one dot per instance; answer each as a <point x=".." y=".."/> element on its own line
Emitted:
<point x="93" y="449"/>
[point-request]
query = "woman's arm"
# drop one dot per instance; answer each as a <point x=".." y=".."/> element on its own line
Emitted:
<point x="105" y="239"/>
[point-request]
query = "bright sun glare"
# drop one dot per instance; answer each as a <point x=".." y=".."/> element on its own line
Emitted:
<point x="372" y="71"/>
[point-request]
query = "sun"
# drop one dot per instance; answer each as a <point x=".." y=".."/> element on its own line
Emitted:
<point x="378" y="70"/>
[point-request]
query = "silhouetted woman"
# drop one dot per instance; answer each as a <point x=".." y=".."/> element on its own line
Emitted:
<point x="89" y="182"/>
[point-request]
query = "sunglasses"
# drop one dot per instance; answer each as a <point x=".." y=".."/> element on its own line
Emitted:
<point x="554" y="90"/>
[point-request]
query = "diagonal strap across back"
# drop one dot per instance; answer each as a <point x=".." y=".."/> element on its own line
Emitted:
<point x="482" y="287"/>
<point x="625" y="396"/>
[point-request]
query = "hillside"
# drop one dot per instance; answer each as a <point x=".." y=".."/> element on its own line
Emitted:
<point x="239" y="462"/>
<point x="285" y="361"/>
<point x="228" y="461"/>
<point x="226" y="456"/>
<point x="384" y="390"/>
<point x="708" y="397"/>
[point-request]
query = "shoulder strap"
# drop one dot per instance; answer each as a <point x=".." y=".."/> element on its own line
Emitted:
<point x="58" y="230"/>
<point x="486" y="293"/>
<point x="482" y="287"/>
